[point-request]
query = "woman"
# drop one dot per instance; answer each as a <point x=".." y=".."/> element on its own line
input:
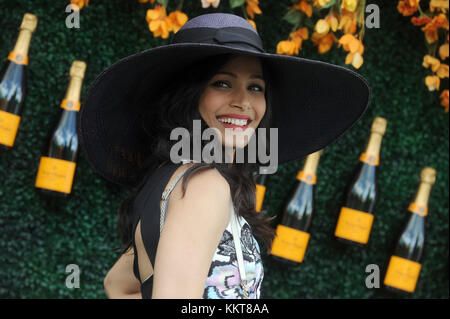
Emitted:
<point x="189" y="244"/>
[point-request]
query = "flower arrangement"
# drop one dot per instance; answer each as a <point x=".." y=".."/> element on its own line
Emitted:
<point x="434" y="24"/>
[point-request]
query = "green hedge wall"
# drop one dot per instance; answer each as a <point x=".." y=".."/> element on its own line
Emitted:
<point x="37" y="241"/>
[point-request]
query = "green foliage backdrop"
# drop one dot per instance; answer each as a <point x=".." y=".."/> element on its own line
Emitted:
<point x="38" y="242"/>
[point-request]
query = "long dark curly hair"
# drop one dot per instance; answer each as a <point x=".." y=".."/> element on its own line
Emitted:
<point x="176" y="105"/>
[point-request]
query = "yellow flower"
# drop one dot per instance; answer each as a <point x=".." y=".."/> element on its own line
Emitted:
<point x="349" y="5"/>
<point x="322" y="27"/>
<point x="320" y="3"/>
<point x="158" y="22"/>
<point x="79" y="3"/>
<point x="355" y="59"/>
<point x="444" y="99"/>
<point x="441" y="5"/>
<point x="443" y="51"/>
<point x="252" y="23"/>
<point x="252" y="8"/>
<point x="207" y="3"/>
<point x="428" y="61"/>
<point x="432" y="82"/>
<point x="178" y="19"/>
<point x="332" y="21"/>
<point x="442" y="71"/>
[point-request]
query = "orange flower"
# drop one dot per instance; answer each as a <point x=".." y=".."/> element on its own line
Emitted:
<point x="348" y="23"/>
<point x="442" y="71"/>
<point x="158" y="22"/>
<point x="300" y="33"/>
<point x="418" y="21"/>
<point x="79" y="3"/>
<point x="444" y="99"/>
<point x="304" y="7"/>
<point x="408" y="7"/>
<point x="443" y="51"/>
<point x="252" y="8"/>
<point x="428" y="61"/>
<point x="350" y="43"/>
<point x="324" y="42"/>
<point x="432" y="82"/>
<point x="178" y="19"/>
<point x="287" y="47"/>
<point x="430" y="29"/>
<point x="145" y="1"/>
<point x="252" y="23"/>
<point x="441" y="5"/>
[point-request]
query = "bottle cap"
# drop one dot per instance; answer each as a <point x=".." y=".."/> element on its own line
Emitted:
<point x="77" y="69"/>
<point x="29" y="22"/>
<point x="379" y="125"/>
<point x="428" y="175"/>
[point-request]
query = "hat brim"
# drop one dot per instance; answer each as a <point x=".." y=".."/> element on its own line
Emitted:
<point x="313" y="104"/>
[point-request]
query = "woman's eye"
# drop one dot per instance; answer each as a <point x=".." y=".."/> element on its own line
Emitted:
<point x="219" y="84"/>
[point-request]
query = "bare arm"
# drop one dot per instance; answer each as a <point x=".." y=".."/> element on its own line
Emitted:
<point x="120" y="282"/>
<point x="192" y="231"/>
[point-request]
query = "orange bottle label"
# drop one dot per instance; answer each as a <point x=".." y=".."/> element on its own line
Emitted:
<point x="370" y="159"/>
<point x="402" y="274"/>
<point x="417" y="209"/>
<point x="260" y="191"/>
<point x="354" y="225"/>
<point x="70" y="105"/>
<point x="18" y="58"/>
<point x="306" y="177"/>
<point x="290" y="243"/>
<point x="55" y="174"/>
<point x="9" y="123"/>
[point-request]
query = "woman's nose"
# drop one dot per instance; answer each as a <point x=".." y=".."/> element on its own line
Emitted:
<point x="241" y="99"/>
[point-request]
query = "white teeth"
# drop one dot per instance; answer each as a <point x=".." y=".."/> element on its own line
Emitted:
<point x="233" y="121"/>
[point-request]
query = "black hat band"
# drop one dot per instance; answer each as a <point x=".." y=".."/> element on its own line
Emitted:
<point x="235" y="37"/>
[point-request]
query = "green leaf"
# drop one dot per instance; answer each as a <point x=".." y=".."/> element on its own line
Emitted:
<point x="236" y="3"/>
<point x="164" y="3"/>
<point x="293" y="16"/>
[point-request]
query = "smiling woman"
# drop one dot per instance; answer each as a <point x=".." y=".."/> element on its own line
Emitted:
<point x="195" y="239"/>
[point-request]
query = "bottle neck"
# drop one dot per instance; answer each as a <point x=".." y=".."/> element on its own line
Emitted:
<point x="20" y="52"/>
<point x="420" y="203"/>
<point x="372" y="152"/>
<point x="308" y="172"/>
<point x="71" y="100"/>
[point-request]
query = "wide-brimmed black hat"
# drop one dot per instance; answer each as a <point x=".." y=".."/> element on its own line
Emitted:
<point x="313" y="102"/>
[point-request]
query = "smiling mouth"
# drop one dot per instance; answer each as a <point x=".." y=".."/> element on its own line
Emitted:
<point x="235" y="124"/>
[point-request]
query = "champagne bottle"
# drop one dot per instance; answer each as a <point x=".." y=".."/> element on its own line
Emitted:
<point x="260" y="181"/>
<point x="13" y="82"/>
<point x="356" y="216"/>
<point x="292" y="235"/>
<point x="57" y="167"/>
<point x="405" y="263"/>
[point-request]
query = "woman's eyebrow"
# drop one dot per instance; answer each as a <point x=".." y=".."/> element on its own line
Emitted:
<point x="254" y="76"/>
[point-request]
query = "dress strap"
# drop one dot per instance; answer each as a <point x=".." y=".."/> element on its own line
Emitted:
<point x="165" y="198"/>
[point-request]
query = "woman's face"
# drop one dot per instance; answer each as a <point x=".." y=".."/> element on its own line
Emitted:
<point x="234" y="98"/>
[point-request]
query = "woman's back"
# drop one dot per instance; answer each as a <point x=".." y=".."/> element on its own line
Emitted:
<point x="222" y="278"/>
